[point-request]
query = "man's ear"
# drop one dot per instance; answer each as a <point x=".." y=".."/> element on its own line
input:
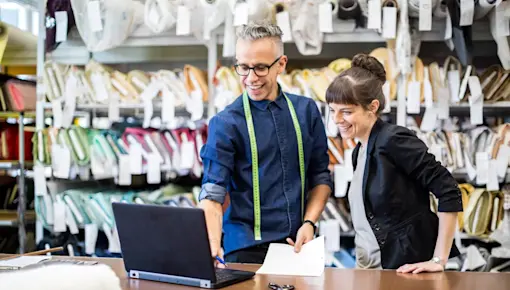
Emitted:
<point x="282" y="64"/>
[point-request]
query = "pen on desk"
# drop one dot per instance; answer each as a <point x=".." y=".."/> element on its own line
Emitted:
<point x="221" y="261"/>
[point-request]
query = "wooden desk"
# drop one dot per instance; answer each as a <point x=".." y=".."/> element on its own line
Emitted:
<point x="339" y="279"/>
<point x="343" y="279"/>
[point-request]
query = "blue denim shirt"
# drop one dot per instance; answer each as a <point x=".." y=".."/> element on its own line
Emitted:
<point x="227" y="167"/>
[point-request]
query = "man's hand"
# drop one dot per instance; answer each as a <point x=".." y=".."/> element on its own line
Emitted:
<point x="304" y="235"/>
<point x="217" y="251"/>
<point x="213" y="217"/>
<point x="416" y="268"/>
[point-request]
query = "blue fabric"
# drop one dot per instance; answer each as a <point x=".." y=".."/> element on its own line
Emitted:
<point x="227" y="167"/>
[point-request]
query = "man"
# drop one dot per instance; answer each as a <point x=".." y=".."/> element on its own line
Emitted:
<point x="275" y="207"/>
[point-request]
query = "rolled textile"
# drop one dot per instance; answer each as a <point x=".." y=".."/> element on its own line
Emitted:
<point x="414" y="7"/>
<point x="116" y="21"/>
<point x="348" y="9"/>
<point x="53" y="6"/>
<point x="13" y="39"/>
<point x="159" y="15"/>
<point x="483" y="7"/>
<point x="305" y="27"/>
<point x="440" y="10"/>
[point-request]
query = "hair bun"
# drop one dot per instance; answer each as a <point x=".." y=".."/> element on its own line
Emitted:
<point x="371" y="64"/>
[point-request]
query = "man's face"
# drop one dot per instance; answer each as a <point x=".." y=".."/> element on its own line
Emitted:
<point x="260" y="82"/>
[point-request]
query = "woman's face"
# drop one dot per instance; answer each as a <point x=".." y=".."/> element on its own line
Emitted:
<point x="353" y="121"/>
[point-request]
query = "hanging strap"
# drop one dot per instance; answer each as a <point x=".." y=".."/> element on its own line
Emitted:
<point x="255" y="163"/>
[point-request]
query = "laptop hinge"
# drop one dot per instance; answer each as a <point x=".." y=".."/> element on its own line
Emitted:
<point x="195" y="282"/>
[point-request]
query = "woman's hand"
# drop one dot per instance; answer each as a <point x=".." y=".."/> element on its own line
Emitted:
<point x="304" y="235"/>
<point x="416" y="268"/>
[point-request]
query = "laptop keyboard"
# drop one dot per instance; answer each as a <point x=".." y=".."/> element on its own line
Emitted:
<point x="224" y="274"/>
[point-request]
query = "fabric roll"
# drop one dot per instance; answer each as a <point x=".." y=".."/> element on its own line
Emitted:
<point x="159" y="15"/>
<point x="414" y="7"/>
<point x="119" y="18"/>
<point x="348" y="9"/>
<point x="462" y="35"/>
<point x="483" y="7"/>
<point x="305" y="27"/>
<point x="441" y="10"/>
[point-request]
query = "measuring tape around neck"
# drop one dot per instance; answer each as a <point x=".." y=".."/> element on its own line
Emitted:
<point x="255" y="160"/>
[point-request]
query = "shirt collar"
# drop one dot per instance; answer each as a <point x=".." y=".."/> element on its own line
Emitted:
<point x="263" y="105"/>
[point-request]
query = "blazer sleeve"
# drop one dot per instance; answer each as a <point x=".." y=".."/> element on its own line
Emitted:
<point x="410" y="154"/>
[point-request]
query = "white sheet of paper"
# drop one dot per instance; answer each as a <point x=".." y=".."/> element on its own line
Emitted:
<point x="23" y="261"/>
<point x="281" y="259"/>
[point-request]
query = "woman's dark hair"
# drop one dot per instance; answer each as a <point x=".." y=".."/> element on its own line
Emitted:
<point x="360" y="84"/>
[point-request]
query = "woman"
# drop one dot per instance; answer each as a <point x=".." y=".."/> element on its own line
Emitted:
<point x="393" y="175"/>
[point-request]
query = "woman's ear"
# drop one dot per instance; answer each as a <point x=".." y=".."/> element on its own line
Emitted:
<point x="374" y="106"/>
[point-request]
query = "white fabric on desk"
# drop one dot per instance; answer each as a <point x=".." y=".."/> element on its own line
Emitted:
<point x="61" y="277"/>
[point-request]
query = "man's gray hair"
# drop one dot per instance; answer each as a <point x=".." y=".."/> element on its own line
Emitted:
<point x="258" y="30"/>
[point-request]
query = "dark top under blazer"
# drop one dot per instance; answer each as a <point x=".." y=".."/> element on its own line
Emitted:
<point x="398" y="176"/>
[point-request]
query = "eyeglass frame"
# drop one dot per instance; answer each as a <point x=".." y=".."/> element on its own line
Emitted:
<point x="253" y="68"/>
<point x="275" y="286"/>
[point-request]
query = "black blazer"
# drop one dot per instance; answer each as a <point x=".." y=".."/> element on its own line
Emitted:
<point x="398" y="176"/>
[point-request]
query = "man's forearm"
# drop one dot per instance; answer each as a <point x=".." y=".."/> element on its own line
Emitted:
<point x="214" y="218"/>
<point x="316" y="202"/>
<point x="446" y="232"/>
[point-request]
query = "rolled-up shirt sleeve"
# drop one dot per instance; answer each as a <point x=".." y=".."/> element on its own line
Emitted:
<point x="218" y="160"/>
<point x="318" y="172"/>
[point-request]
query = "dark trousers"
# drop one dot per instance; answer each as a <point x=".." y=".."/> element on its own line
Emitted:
<point x="251" y="255"/>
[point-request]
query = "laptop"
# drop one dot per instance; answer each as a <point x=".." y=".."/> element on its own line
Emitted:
<point x="170" y="244"/>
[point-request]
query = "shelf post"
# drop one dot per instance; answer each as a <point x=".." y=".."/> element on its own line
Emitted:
<point x="22" y="235"/>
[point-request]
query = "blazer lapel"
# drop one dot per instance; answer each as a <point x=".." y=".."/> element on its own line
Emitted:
<point x="370" y="146"/>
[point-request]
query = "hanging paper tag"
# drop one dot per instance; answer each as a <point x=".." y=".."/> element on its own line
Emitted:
<point x="183" y="25"/>
<point x="482" y="167"/>
<point x="467" y="11"/>
<point x="61" y="161"/>
<point x="502" y="159"/>
<point x="425" y="15"/>
<point x="168" y="107"/>
<point x="428" y="124"/>
<point x="56" y="106"/>
<point x="492" y="179"/>
<point x="389" y="29"/>
<point x="413" y="97"/>
<point x="454" y="85"/>
<point x="283" y="21"/>
<point x="40" y="181"/>
<point x="241" y="14"/>
<point x="61" y="22"/>
<point x="187" y="155"/>
<point x="475" y="101"/>
<point x="197" y="105"/>
<point x="59" y="213"/>
<point x="135" y="158"/>
<point x="386" y="92"/>
<point x="113" y="108"/>
<point x="148" y="111"/>
<point x="443" y="103"/>
<point x="325" y="17"/>
<point x="448" y="33"/>
<point x="124" y="170"/>
<point x="153" y="169"/>
<point x="427" y="94"/>
<point x="374" y="14"/>
<point x="94" y="16"/>
<point x="91" y="233"/>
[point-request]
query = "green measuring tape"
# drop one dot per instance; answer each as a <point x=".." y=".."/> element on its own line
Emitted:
<point x="255" y="160"/>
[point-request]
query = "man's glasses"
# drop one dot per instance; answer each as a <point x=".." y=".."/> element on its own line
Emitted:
<point x="275" y="286"/>
<point x="260" y="70"/>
